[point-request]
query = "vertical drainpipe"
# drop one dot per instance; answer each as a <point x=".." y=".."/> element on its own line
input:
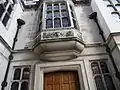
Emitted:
<point x="94" y="17"/>
<point x="20" y="22"/>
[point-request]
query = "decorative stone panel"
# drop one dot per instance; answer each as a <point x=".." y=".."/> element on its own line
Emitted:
<point x="60" y="34"/>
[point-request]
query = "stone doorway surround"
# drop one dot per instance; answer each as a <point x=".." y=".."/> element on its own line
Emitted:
<point x="58" y="66"/>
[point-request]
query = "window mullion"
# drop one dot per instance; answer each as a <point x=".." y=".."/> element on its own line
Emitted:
<point x="21" y="74"/>
<point x="60" y="15"/>
<point x="19" y="85"/>
<point x="20" y="78"/>
<point x="53" y="15"/>
<point x="102" y="75"/>
<point x="20" y="81"/>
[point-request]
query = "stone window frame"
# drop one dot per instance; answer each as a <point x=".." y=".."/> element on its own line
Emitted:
<point x="101" y="74"/>
<point x="20" y="81"/>
<point x="78" y="66"/>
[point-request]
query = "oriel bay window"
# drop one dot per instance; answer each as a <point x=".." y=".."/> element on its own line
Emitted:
<point x="20" y="79"/>
<point x="57" y="15"/>
<point x="102" y="77"/>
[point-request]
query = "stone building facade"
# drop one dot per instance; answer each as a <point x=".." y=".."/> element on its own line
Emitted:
<point x="59" y="44"/>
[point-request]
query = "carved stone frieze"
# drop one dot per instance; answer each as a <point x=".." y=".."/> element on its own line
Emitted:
<point x="57" y="34"/>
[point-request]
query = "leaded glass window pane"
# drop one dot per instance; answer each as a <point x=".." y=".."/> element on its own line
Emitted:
<point x="64" y="13"/>
<point x="49" y="7"/>
<point x="17" y="74"/>
<point x="56" y="6"/>
<point x="24" y="86"/>
<point x="5" y="19"/>
<point x="49" y="15"/>
<point x="104" y="67"/>
<point x="49" y="23"/>
<point x="95" y="68"/>
<point x="15" y="86"/>
<point x="57" y="23"/>
<point x="56" y="14"/>
<point x="9" y="9"/>
<point x="65" y="22"/>
<point x="109" y="82"/>
<point x="63" y="6"/>
<point x="99" y="83"/>
<point x="26" y="73"/>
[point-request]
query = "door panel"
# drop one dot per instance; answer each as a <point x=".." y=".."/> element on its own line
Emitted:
<point x="63" y="80"/>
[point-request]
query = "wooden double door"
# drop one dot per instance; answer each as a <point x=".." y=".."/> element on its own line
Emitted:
<point x="62" y="80"/>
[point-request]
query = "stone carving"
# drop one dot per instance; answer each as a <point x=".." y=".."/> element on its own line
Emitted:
<point x="58" y="34"/>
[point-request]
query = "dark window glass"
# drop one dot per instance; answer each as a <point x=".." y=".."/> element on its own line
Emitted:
<point x="49" y="7"/>
<point x="74" y="22"/>
<point x="65" y="22"/>
<point x="14" y="86"/>
<point x="14" y="1"/>
<point x="95" y="68"/>
<point x="63" y="6"/>
<point x="24" y="86"/>
<point x="17" y="74"/>
<point x="71" y="8"/>
<point x="5" y="3"/>
<point x="104" y="67"/>
<point x="64" y="13"/>
<point x="72" y="14"/>
<point x="57" y="23"/>
<point x="49" y="15"/>
<point x="1" y="10"/>
<point x="5" y="19"/>
<point x="40" y="26"/>
<point x="56" y="6"/>
<point x="26" y="73"/>
<point x="42" y="8"/>
<point x="49" y="23"/>
<point x="99" y="83"/>
<point x="109" y="82"/>
<point x="9" y="9"/>
<point x="56" y="14"/>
